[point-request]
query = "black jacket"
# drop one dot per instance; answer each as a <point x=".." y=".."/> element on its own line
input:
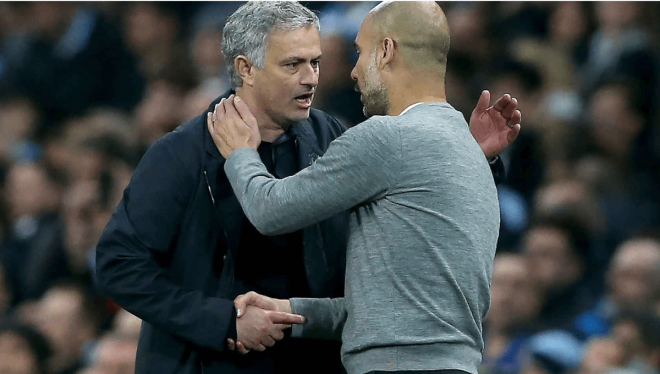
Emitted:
<point x="166" y="254"/>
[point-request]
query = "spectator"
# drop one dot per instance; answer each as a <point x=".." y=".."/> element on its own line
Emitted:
<point x="633" y="283"/>
<point x="34" y="255"/>
<point x="23" y="350"/>
<point x="601" y="355"/>
<point x="556" y="249"/>
<point x="514" y="308"/>
<point x="525" y="159"/>
<point x="114" y="355"/>
<point x="151" y="30"/>
<point x="19" y="117"/>
<point x="71" y="318"/>
<point x="73" y="40"/>
<point x="639" y="334"/>
<point x="336" y="93"/>
<point x="620" y="47"/>
<point x="160" y="111"/>
<point x="557" y="56"/>
<point x="553" y="352"/>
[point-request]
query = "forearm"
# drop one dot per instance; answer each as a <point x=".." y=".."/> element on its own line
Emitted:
<point x="128" y="273"/>
<point x="325" y="318"/>
<point x="358" y="166"/>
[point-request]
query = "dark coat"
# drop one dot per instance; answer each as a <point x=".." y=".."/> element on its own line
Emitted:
<point x="166" y="254"/>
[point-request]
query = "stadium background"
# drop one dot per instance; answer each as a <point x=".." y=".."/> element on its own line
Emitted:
<point x="85" y="88"/>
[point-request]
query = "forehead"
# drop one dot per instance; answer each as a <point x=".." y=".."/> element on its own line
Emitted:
<point x="365" y="31"/>
<point x="301" y="42"/>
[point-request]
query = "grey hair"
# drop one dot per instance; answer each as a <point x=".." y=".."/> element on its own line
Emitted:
<point x="246" y="31"/>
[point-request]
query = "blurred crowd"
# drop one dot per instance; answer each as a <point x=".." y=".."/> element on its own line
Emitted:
<point x="85" y="88"/>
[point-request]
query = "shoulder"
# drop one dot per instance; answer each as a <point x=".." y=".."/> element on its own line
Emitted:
<point x="182" y="146"/>
<point x="381" y="132"/>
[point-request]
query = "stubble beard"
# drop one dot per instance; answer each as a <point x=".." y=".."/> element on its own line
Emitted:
<point x="374" y="95"/>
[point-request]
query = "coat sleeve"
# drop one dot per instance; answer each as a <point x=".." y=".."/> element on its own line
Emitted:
<point x="325" y="318"/>
<point x="144" y="225"/>
<point x="497" y="168"/>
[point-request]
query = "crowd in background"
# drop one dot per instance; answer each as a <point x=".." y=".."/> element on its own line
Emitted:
<point x="85" y="88"/>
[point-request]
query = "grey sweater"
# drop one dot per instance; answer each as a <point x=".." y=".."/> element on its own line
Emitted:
<point x="423" y="231"/>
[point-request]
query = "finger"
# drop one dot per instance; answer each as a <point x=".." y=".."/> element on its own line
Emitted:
<point x="516" y="118"/>
<point x="286" y="318"/>
<point x="241" y="348"/>
<point x="244" y="112"/>
<point x="260" y="348"/>
<point x="484" y="101"/>
<point x="230" y="108"/>
<point x="209" y="123"/>
<point x="502" y="102"/>
<point x="268" y="341"/>
<point x="507" y="113"/>
<point x="231" y="345"/>
<point x="513" y="134"/>
<point x="278" y="333"/>
<point x="219" y="112"/>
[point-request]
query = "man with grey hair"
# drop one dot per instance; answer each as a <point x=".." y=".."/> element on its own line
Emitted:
<point x="179" y="249"/>
<point x="424" y="209"/>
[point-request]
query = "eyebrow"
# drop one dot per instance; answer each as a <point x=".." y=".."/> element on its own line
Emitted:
<point x="300" y="59"/>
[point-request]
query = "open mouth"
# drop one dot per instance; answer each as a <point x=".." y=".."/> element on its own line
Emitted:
<point x="305" y="100"/>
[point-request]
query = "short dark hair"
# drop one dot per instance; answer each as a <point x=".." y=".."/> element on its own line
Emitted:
<point x="571" y="225"/>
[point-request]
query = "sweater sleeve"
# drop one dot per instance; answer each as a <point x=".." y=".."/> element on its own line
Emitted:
<point x="325" y="318"/>
<point x="358" y="166"/>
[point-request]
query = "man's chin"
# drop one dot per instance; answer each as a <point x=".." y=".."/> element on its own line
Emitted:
<point x="299" y="115"/>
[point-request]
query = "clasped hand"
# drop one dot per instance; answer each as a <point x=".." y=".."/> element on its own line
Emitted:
<point x="261" y="321"/>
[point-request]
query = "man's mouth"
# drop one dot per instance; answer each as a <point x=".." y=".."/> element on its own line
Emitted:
<point x="305" y="100"/>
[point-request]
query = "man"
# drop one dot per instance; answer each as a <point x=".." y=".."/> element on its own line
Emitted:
<point x="424" y="211"/>
<point x="179" y="249"/>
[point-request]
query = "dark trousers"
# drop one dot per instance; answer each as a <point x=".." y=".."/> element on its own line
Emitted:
<point x="420" y="372"/>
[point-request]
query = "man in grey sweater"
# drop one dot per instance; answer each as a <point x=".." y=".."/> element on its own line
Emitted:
<point x="425" y="214"/>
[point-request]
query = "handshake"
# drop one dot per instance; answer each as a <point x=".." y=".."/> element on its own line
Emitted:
<point x="260" y="321"/>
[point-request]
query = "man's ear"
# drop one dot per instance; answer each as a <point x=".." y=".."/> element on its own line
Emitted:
<point x="386" y="54"/>
<point x="245" y="69"/>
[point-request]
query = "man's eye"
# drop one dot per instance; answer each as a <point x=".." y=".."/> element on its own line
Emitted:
<point x="316" y="64"/>
<point x="292" y="64"/>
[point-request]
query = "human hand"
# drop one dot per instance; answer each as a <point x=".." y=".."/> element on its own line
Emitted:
<point x="253" y="300"/>
<point x="495" y="127"/>
<point x="232" y="126"/>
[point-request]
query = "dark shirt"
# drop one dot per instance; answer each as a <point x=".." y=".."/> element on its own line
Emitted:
<point x="273" y="265"/>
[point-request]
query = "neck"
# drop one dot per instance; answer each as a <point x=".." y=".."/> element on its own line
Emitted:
<point x="268" y="128"/>
<point x="408" y="89"/>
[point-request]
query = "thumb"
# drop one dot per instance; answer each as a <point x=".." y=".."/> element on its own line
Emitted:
<point x="286" y="318"/>
<point x="242" y="301"/>
<point x="484" y="102"/>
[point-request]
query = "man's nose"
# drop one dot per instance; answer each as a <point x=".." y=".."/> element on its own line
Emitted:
<point x="354" y="73"/>
<point x="309" y="76"/>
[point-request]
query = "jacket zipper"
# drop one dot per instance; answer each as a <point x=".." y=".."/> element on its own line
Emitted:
<point x="215" y="211"/>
